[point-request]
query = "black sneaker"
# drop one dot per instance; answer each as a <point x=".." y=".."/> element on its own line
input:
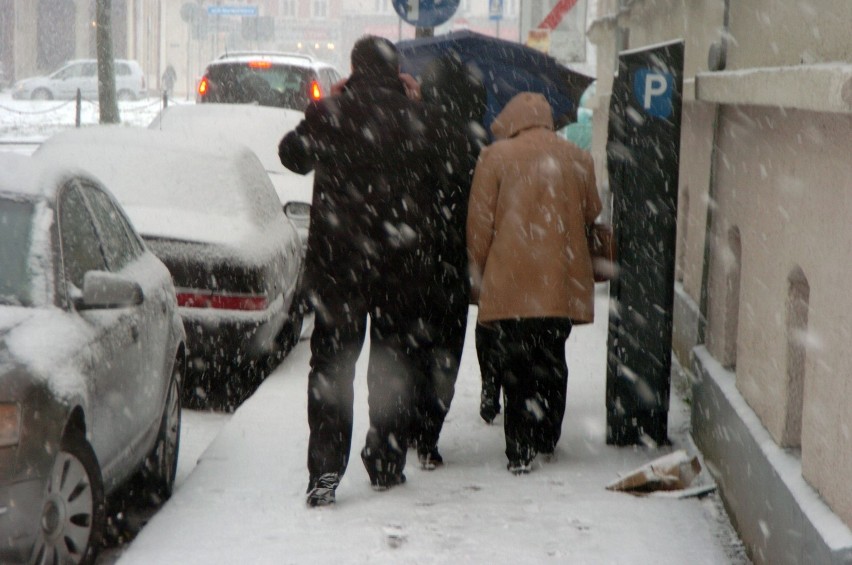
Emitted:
<point x="519" y="467"/>
<point x="430" y="459"/>
<point x="321" y="491"/>
<point x="489" y="410"/>
<point x="384" y="483"/>
<point x="382" y="475"/>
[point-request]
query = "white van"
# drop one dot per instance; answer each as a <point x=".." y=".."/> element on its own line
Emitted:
<point x="82" y="74"/>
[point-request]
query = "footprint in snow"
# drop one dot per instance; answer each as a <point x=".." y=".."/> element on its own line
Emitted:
<point x="395" y="535"/>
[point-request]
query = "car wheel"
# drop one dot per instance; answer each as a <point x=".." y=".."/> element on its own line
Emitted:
<point x="158" y="474"/>
<point x="126" y="96"/>
<point x="290" y="334"/>
<point x="41" y="94"/>
<point x="295" y="323"/>
<point x="73" y="514"/>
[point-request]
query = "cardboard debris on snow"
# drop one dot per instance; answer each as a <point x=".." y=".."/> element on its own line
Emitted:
<point x="673" y="474"/>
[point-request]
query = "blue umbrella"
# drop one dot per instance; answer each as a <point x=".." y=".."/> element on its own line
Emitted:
<point x="505" y="67"/>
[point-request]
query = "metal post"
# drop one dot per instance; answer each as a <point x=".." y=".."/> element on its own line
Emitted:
<point x="165" y="99"/>
<point x="79" y="100"/>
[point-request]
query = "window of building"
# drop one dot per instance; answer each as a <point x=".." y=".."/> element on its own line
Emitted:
<point x="383" y="6"/>
<point x="287" y="8"/>
<point x="319" y="8"/>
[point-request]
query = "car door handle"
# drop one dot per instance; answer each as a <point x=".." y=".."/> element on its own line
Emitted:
<point x="134" y="332"/>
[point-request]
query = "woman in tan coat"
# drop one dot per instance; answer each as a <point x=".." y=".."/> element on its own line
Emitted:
<point x="532" y="198"/>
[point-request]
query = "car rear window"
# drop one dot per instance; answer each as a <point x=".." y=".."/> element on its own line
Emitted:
<point x="16" y="220"/>
<point x="260" y="82"/>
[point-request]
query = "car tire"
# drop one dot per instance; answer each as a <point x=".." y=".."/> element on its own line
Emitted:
<point x="290" y="333"/>
<point x="294" y="324"/>
<point x="157" y="476"/>
<point x="73" y="515"/>
<point x="41" y="94"/>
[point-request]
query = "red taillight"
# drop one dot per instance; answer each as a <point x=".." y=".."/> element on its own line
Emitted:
<point x="201" y="299"/>
<point x="260" y="64"/>
<point x="316" y="91"/>
<point x="203" y="87"/>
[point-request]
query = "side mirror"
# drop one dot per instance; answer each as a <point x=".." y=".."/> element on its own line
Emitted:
<point x="108" y="290"/>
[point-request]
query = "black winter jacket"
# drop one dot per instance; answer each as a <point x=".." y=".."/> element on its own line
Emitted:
<point x="375" y="166"/>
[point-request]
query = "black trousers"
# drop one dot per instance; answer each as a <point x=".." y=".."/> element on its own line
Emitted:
<point x="341" y="312"/>
<point x="439" y="355"/>
<point x="526" y="358"/>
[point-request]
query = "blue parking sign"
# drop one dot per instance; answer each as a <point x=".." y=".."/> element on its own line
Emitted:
<point x="495" y="9"/>
<point x="653" y="91"/>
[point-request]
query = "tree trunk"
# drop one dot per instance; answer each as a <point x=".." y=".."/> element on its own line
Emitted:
<point x="106" y="64"/>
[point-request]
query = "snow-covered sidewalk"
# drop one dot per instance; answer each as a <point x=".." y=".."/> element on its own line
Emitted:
<point x="245" y="500"/>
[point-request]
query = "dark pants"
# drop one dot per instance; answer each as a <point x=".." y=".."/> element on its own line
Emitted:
<point x="439" y="357"/>
<point x="341" y="312"/>
<point x="526" y="357"/>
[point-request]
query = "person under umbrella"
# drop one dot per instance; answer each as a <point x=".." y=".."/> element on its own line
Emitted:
<point x="371" y="217"/>
<point x="455" y="101"/>
<point x="533" y="197"/>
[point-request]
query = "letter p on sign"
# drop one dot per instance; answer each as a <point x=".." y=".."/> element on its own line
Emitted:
<point x="653" y="90"/>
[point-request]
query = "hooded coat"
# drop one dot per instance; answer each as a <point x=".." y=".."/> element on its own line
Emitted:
<point x="532" y="198"/>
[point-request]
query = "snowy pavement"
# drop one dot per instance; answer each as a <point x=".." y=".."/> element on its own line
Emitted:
<point x="244" y="501"/>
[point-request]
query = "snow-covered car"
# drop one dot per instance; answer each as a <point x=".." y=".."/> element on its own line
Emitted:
<point x="207" y="209"/>
<point x="91" y="362"/>
<point x="268" y="78"/>
<point x="83" y="74"/>
<point x="260" y="128"/>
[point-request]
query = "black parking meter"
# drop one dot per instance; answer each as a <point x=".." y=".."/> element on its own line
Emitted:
<point x="643" y="150"/>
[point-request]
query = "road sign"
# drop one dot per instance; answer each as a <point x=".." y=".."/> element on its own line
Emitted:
<point x="653" y="91"/>
<point x="495" y="9"/>
<point x="247" y="11"/>
<point x="425" y="13"/>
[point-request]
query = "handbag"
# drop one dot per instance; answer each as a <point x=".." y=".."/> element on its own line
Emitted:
<point x="601" y="241"/>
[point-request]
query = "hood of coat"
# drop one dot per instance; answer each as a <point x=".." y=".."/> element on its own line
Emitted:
<point x="526" y="110"/>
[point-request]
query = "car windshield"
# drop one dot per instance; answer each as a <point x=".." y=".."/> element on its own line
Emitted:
<point x="263" y="82"/>
<point x="16" y="219"/>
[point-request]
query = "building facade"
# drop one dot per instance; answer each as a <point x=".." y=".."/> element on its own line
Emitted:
<point x="761" y="319"/>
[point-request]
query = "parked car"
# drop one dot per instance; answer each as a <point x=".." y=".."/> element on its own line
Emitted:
<point x="285" y="80"/>
<point x="260" y="128"/>
<point x="92" y="355"/>
<point x="82" y="74"/>
<point x="207" y="208"/>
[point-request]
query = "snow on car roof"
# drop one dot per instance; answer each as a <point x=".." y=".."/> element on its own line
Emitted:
<point x="20" y="175"/>
<point x="171" y="185"/>
<point x="24" y="176"/>
<point x="258" y="127"/>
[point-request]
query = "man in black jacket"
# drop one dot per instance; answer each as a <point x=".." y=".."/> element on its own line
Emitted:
<point x="371" y="220"/>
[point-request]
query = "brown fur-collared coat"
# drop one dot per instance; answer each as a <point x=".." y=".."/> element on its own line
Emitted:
<point x="533" y="195"/>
